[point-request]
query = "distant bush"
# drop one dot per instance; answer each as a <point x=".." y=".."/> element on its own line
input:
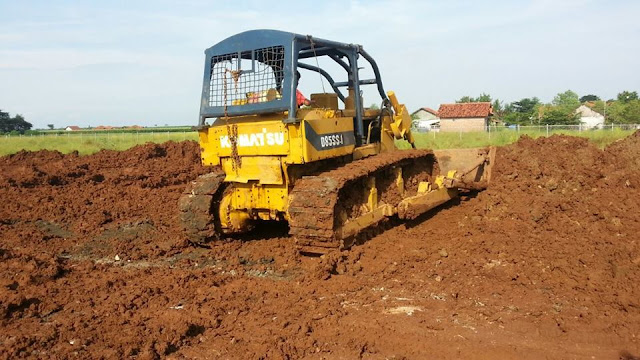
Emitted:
<point x="10" y="124"/>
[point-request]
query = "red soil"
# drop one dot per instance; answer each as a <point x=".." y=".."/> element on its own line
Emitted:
<point x="543" y="264"/>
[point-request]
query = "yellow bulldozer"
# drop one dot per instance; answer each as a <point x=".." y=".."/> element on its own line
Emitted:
<point x="332" y="169"/>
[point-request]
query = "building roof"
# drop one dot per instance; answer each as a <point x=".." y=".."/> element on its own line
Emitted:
<point x="591" y="105"/>
<point x="465" y="110"/>
<point x="73" y="127"/>
<point x="587" y="110"/>
<point x="427" y="109"/>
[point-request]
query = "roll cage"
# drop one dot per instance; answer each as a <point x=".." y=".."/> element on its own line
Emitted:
<point x="253" y="73"/>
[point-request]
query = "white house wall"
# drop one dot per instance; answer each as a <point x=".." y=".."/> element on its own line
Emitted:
<point x="463" y="124"/>
<point x="424" y="115"/>
<point x="592" y="121"/>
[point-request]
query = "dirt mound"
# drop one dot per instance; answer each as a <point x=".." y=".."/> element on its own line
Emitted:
<point x="543" y="264"/>
<point x="565" y="220"/>
<point x="625" y="153"/>
<point x="535" y="184"/>
<point x="550" y="248"/>
<point x="93" y="200"/>
<point x="623" y="156"/>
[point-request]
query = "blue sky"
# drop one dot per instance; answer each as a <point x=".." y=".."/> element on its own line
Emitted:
<point x="140" y="62"/>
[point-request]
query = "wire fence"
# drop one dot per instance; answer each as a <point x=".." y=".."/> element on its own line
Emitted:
<point x="189" y="134"/>
<point x="103" y="134"/>
<point x="546" y="129"/>
<point x="87" y="142"/>
<point x="468" y="137"/>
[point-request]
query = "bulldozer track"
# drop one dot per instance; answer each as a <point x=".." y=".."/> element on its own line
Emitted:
<point x="196" y="204"/>
<point x="314" y="199"/>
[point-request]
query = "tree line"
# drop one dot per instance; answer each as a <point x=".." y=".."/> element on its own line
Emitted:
<point x="624" y="109"/>
<point x="13" y="125"/>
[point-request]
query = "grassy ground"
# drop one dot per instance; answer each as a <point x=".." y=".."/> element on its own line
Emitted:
<point x="88" y="143"/>
<point x="454" y="140"/>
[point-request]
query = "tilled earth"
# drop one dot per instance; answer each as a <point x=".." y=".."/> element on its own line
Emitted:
<point x="543" y="264"/>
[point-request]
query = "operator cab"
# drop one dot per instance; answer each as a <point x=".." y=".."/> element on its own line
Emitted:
<point x="253" y="73"/>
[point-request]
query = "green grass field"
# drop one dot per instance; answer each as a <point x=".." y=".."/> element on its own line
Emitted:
<point x="454" y="140"/>
<point x="89" y="143"/>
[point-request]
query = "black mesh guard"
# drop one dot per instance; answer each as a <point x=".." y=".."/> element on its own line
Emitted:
<point x="246" y="78"/>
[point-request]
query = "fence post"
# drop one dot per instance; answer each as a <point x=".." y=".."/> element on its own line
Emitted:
<point x="547" y="130"/>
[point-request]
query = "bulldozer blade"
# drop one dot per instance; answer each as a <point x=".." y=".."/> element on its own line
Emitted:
<point x="472" y="166"/>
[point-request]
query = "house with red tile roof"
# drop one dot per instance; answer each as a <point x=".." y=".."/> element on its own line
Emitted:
<point x="72" y="128"/>
<point x="465" y="116"/>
